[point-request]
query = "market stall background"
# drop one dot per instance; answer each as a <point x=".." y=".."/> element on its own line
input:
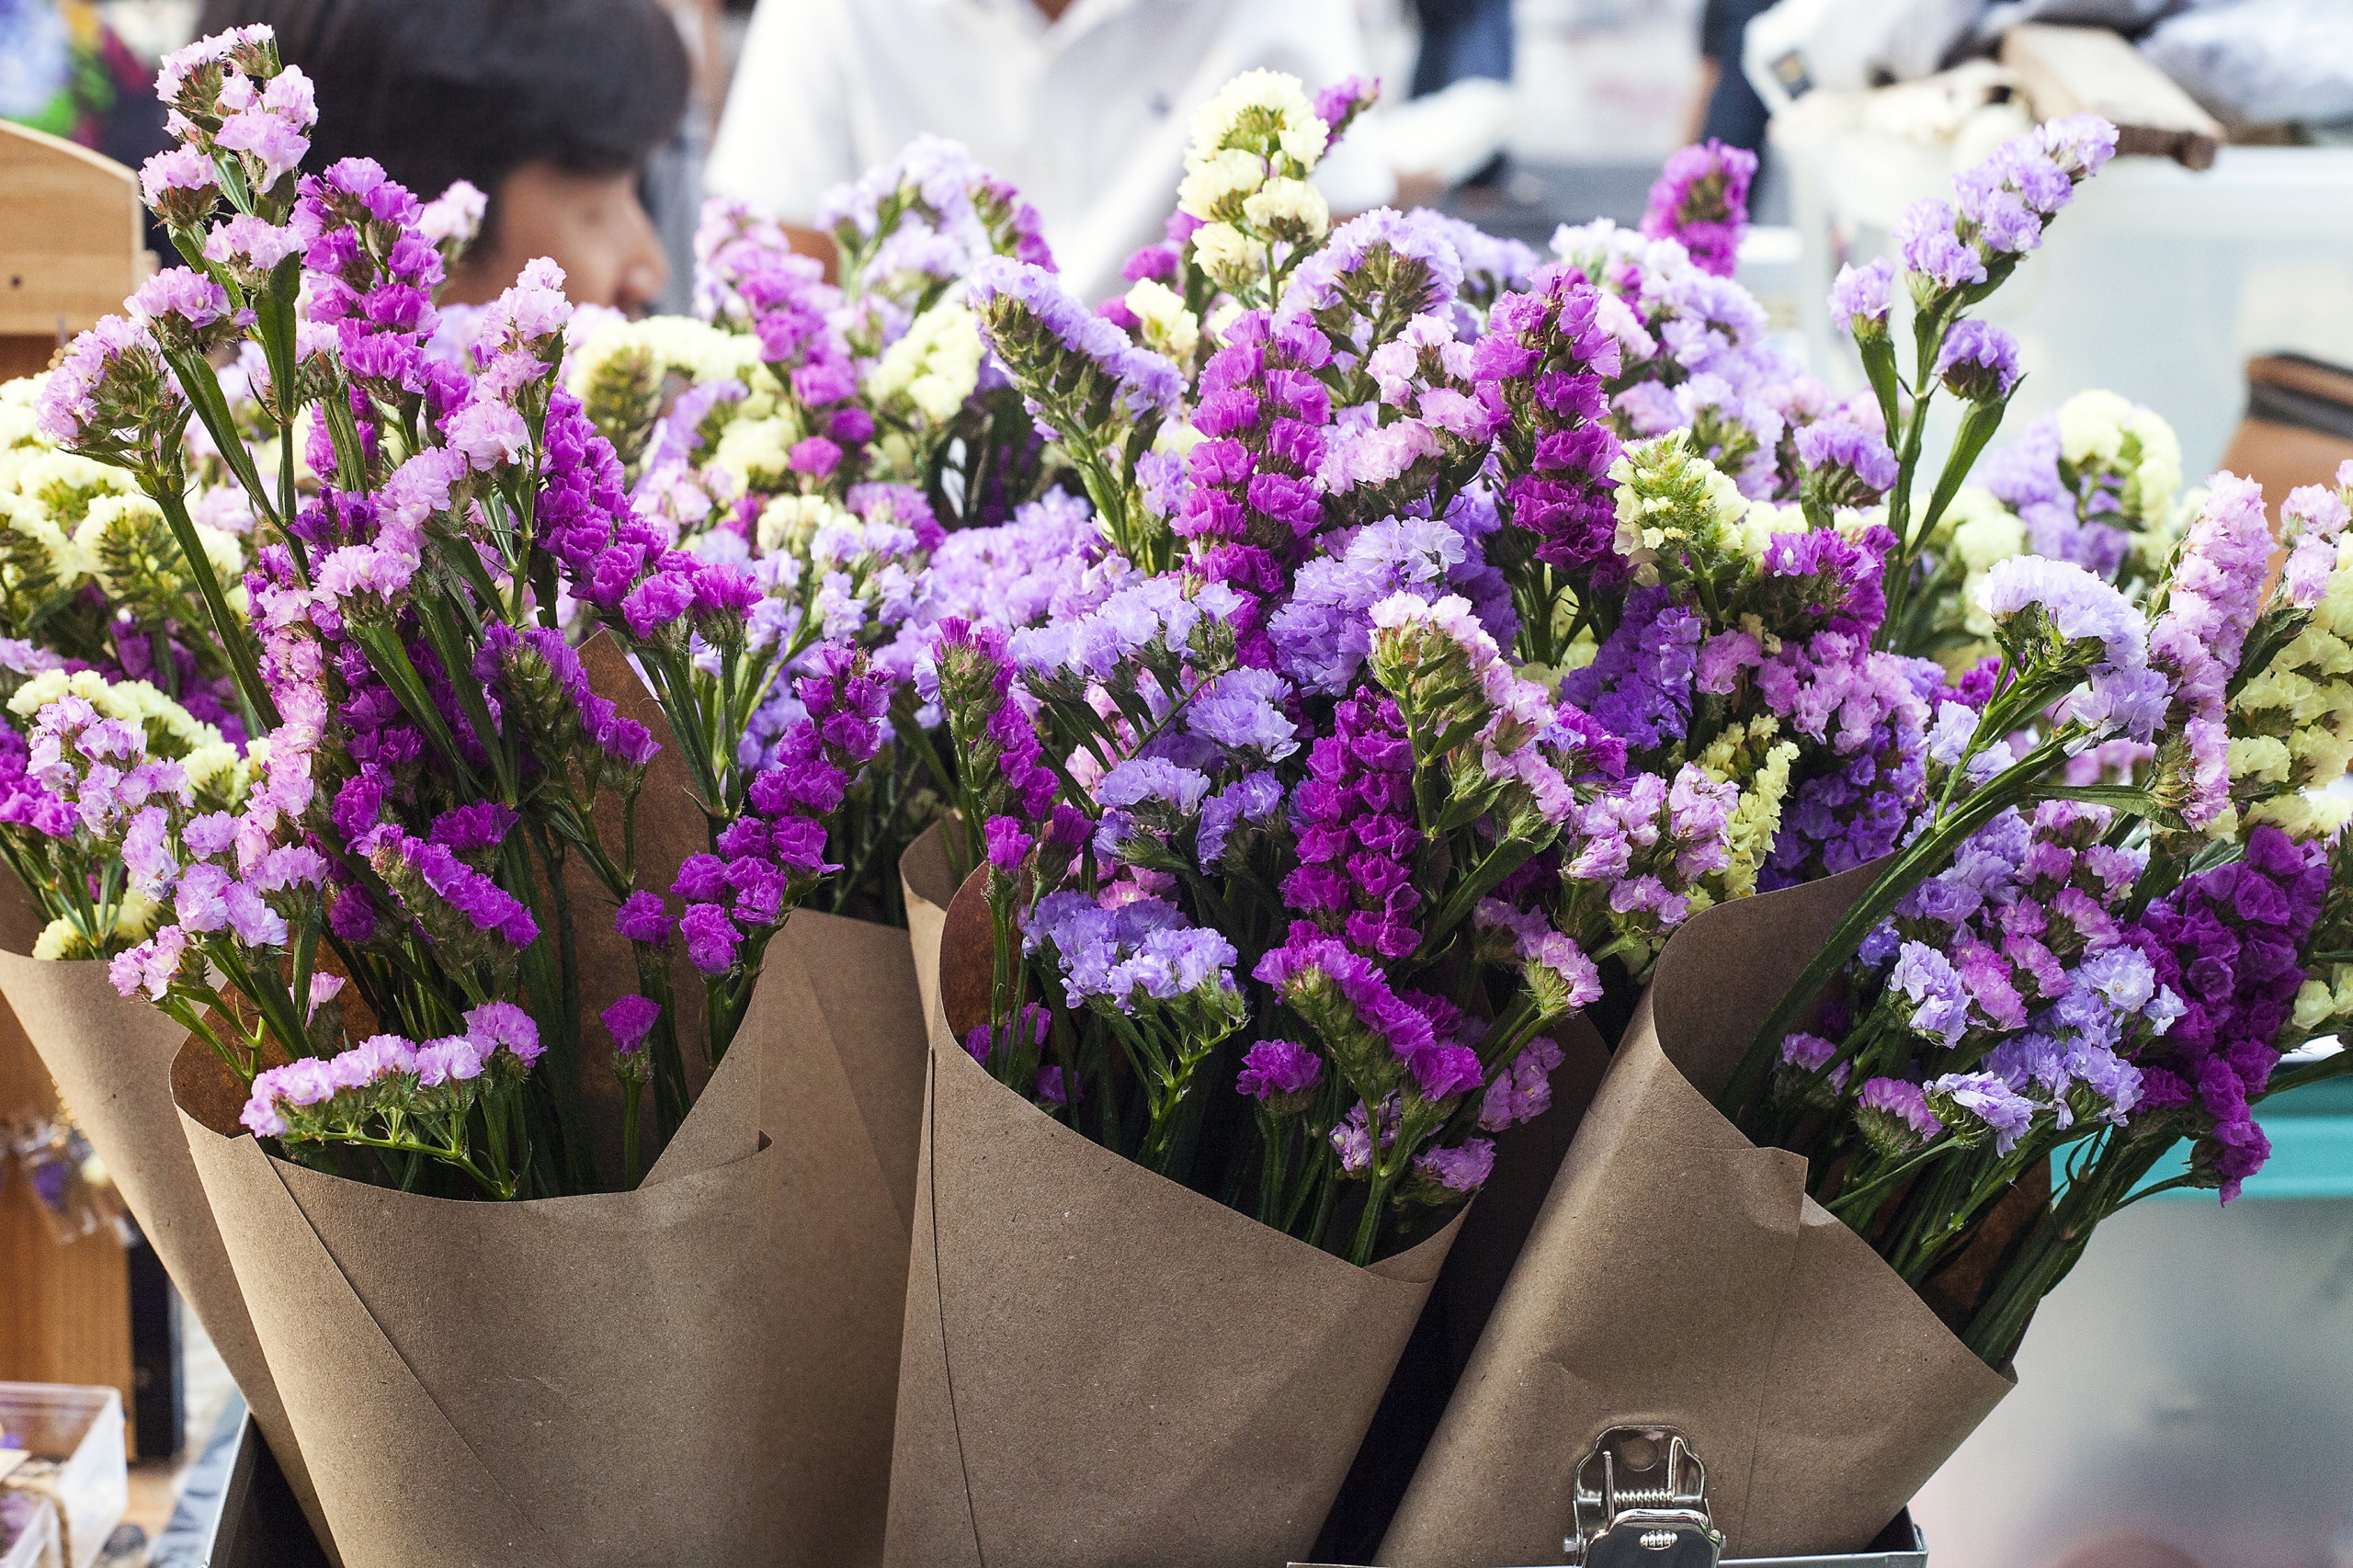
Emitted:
<point x="2175" y="1400"/>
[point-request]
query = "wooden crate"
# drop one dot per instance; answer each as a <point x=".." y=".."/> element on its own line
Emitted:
<point x="73" y="244"/>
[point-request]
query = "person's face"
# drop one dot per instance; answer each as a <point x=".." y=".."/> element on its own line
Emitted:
<point x="591" y="225"/>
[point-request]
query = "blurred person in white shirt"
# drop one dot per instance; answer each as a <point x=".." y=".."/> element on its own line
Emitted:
<point x="1085" y="105"/>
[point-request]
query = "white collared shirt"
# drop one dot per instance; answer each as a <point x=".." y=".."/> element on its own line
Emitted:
<point x="1088" y="116"/>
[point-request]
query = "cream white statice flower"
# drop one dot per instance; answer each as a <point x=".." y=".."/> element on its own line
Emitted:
<point x="1670" y="498"/>
<point x="2102" y="433"/>
<point x="2292" y="727"/>
<point x="679" y="345"/>
<point x="933" y="368"/>
<point x="130" y="550"/>
<point x="20" y="437"/>
<point x="1747" y="757"/>
<point x="1167" y="326"/>
<point x="1980" y="533"/>
<point x="1264" y="112"/>
<point x="171" y="731"/>
<point x="134" y="920"/>
<point x="1254" y="146"/>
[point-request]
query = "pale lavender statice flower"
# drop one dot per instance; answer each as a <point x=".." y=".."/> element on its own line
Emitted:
<point x="2310" y="519"/>
<point x="1463" y="1168"/>
<point x="1847" y="465"/>
<point x="1254" y="800"/>
<point x="1981" y="1103"/>
<point x="2211" y="600"/>
<point x="1860" y="298"/>
<point x="1939" y="998"/>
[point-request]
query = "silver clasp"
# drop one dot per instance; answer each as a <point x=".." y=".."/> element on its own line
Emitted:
<point x="1641" y="1502"/>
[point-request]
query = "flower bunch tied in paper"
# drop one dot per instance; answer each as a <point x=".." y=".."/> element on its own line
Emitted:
<point x="377" y="902"/>
<point x="2040" y="916"/>
<point x="2087" y="982"/>
<point x="1262" y="829"/>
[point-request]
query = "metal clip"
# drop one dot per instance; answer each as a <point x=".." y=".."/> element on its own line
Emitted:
<point x="1641" y="1502"/>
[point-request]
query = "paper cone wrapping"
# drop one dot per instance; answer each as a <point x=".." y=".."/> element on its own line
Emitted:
<point x="1102" y="1366"/>
<point x="1677" y="1273"/>
<point x="700" y="1372"/>
<point x="111" y="1059"/>
<point x="1494" y="1227"/>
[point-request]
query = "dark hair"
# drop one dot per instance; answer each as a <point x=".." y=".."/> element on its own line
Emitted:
<point x="442" y="90"/>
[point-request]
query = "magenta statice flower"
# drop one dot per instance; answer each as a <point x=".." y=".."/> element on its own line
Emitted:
<point x="629" y="1020"/>
<point x="1338" y="105"/>
<point x="1276" y="1072"/>
<point x="1701" y="200"/>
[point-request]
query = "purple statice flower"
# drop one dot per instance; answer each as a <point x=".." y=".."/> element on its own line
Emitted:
<point x="769" y="857"/>
<point x="641" y="918"/>
<point x="110" y="394"/>
<point x="186" y="310"/>
<point x="2210" y="603"/>
<point x="1861" y="296"/>
<point x="1357" y="830"/>
<point x="2225" y="945"/>
<point x="477" y="825"/>
<point x="1254" y="800"/>
<point x="1278" y="1073"/>
<point x="1701" y="200"/>
<point x="541" y="678"/>
<point x="1376" y="1038"/>
<point x="1933" y="253"/>
<point x="1545" y="355"/>
<point x="1048" y="337"/>
<point x="1131" y="958"/>
<point x="1321" y="633"/>
<point x="1939" y="997"/>
<point x="2027" y="593"/>
<point x="1640" y="684"/>
<point x="2310" y="519"/>
<point x="181" y="187"/>
<point x="458" y="907"/>
<point x="1338" y="105"/>
<point x="629" y="1020"/>
<point x="1979" y="361"/>
<point x="1462" y="1168"/>
<point x="1243" y="711"/>
<point x="1894" y="1115"/>
<point x="1847" y="465"/>
<point x="1253" y="498"/>
<point x="1558" y="971"/>
<point x="1981" y="1100"/>
<point x="1523" y="1091"/>
<point x="1492" y="265"/>
<point x="1387" y="262"/>
<point x="972" y="675"/>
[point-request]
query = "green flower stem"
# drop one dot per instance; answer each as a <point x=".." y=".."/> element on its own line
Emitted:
<point x="631" y="1089"/>
<point x="260" y="710"/>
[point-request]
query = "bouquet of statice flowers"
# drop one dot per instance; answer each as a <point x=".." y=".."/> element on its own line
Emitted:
<point x="1290" y="867"/>
<point x="375" y="916"/>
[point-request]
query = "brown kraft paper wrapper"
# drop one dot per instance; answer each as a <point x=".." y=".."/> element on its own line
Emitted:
<point x="1102" y="1366"/>
<point x="1677" y="1273"/>
<point x="698" y="1371"/>
<point x="111" y="1058"/>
